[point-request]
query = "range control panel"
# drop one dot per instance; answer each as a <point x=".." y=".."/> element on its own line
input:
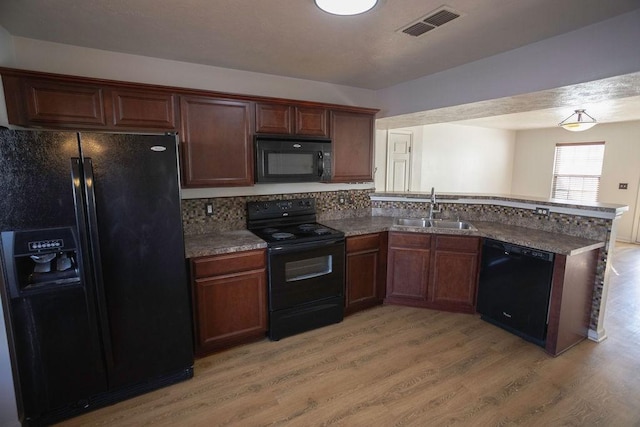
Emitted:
<point x="272" y="209"/>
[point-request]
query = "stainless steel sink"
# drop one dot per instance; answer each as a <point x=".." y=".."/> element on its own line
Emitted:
<point x="413" y="222"/>
<point x="432" y="223"/>
<point x="459" y="225"/>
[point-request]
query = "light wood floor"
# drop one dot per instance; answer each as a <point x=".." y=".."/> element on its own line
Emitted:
<point x="399" y="366"/>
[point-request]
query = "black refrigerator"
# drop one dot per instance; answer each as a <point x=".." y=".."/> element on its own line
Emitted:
<point x="94" y="284"/>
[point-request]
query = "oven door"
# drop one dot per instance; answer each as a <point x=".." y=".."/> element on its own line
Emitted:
<point x="291" y="161"/>
<point x="305" y="273"/>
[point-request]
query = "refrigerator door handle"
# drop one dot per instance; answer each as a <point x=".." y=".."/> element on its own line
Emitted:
<point x="86" y="174"/>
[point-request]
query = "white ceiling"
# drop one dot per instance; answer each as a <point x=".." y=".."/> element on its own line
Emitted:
<point x="294" y="38"/>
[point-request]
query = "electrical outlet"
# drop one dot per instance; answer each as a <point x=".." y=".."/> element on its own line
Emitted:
<point x="343" y="198"/>
<point x="623" y="186"/>
<point x="208" y="209"/>
<point x="541" y="211"/>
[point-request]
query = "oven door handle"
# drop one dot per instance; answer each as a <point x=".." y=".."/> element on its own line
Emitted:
<point x="303" y="246"/>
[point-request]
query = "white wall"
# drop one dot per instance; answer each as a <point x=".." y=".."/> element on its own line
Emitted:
<point x="38" y="55"/>
<point x="8" y="411"/>
<point x="7" y="58"/>
<point x="460" y="159"/>
<point x="380" y="160"/>
<point x="534" y="157"/>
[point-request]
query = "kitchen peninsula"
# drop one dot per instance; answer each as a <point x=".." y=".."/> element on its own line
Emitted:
<point x="567" y="229"/>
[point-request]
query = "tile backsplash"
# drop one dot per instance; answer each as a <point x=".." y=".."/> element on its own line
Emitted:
<point x="229" y="213"/>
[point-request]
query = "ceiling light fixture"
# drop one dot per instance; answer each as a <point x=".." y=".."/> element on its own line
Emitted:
<point x="346" y="7"/>
<point x="578" y="123"/>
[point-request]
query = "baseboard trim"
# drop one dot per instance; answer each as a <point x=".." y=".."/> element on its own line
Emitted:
<point x="597" y="336"/>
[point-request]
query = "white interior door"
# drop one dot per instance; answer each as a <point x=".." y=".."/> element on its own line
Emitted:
<point x="399" y="161"/>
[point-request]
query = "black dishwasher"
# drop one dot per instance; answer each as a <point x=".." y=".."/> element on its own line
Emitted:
<point x="514" y="289"/>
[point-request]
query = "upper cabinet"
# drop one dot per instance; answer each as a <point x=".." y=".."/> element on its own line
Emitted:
<point x="61" y="102"/>
<point x="215" y="140"/>
<point x="274" y="119"/>
<point x="284" y="119"/>
<point x="143" y="109"/>
<point x="40" y="102"/>
<point x="353" y="146"/>
<point x="216" y="129"/>
<point x="311" y="121"/>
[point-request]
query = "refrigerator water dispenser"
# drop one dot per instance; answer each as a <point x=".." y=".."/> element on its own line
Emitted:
<point x="41" y="259"/>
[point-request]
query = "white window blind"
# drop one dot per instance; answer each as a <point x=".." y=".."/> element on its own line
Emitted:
<point x="577" y="170"/>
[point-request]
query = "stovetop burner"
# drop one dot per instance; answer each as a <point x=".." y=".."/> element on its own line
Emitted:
<point x="287" y="221"/>
<point x="282" y="236"/>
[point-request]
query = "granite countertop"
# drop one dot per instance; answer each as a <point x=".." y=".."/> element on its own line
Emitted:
<point x="536" y="239"/>
<point x="243" y="240"/>
<point x="221" y="242"/>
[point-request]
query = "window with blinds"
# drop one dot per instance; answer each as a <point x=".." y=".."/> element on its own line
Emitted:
<point x="577" y="170"/>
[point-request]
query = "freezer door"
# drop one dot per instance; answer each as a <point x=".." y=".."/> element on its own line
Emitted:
<point x="52" y="328"/>
<point x="36" y="183"/>
<point x="135" y="220"/>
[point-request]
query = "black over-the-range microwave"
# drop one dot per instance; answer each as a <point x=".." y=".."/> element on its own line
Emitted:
<point x="282" y="159"/>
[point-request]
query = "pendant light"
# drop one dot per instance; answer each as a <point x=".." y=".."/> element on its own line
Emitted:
<point x="577" y="121"/>
<point x="346" y="7"/>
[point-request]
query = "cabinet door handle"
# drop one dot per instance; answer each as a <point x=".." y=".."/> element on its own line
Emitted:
<point x="505" y="314"/>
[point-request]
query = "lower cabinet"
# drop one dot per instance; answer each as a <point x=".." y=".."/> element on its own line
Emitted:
<point x="365" y="271"/>
<point x="455" y="273"/>
<point x="571" y="299"/>
<point x="230" y="299"/>
<point x="433" y="271"/>
<point x="408" y="268"/>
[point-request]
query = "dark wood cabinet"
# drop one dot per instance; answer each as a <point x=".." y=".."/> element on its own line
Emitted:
<point x="433" y="271"/>
<point x="230" y="299"/>
<point x="283" y="119"/>
<point x="50" y="103"/>
<point x="353" y="146"/>
<point x="571" y="299"/>
<point x="365" y="271"/>
<point x="136" y="109"/>
<point x="216" y="142"/>
<point x="408" y="268"/>
<point x="216" y="129"/>
<point x="311" y="121"/>
<point x="274" y="119"/>
<point x="84" y="104"/>
<point x="455" y="273"/>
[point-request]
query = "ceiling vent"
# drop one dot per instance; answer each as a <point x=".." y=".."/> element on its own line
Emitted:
<point x="430" y="22"/>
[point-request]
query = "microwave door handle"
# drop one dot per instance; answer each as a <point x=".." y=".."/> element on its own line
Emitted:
<point x="320" y="163"/>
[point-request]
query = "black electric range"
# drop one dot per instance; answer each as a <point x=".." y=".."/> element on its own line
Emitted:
<point x="305" y="265"/>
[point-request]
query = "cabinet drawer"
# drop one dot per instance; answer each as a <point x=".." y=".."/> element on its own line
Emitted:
<point x="458" y="243"/>
<point x="411" y="240"/>
<point x="228" y="263"/>
<point x="363" y="243"/>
